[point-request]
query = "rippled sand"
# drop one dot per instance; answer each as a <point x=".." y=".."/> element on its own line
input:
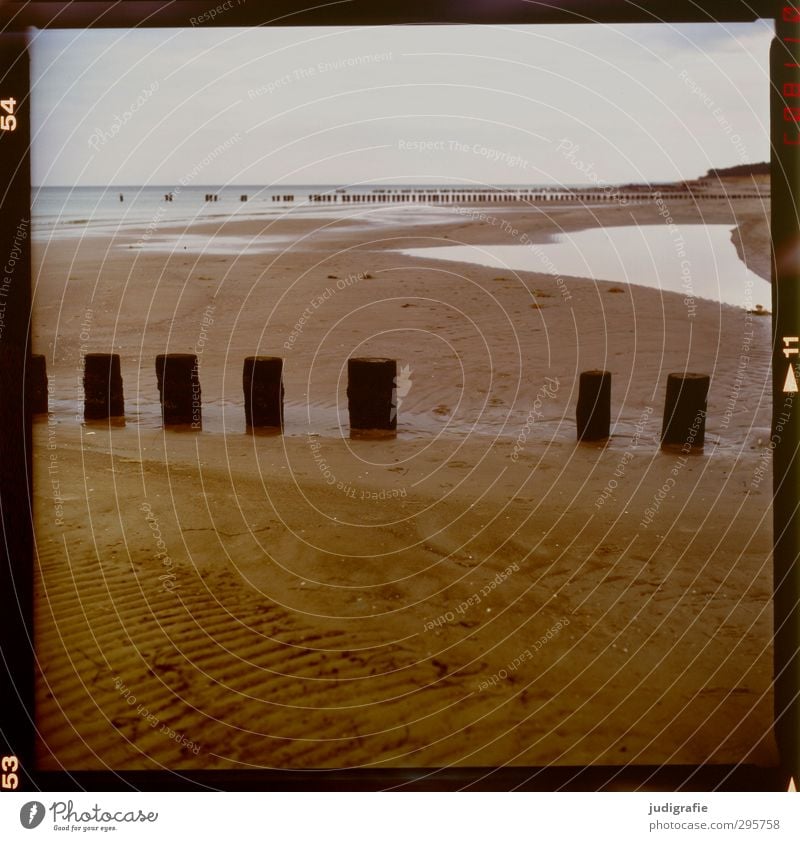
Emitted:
<point x="474" y="592"/>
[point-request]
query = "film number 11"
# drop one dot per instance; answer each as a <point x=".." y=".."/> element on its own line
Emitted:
<point x="8" y="122"/>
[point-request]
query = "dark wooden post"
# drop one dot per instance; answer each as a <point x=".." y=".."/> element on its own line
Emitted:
<point x="37" y="383"/>
<point x="179" y="389"/>
<point x="785" y="224"/>
<point x="371" y="394"/>
<point x="684" y="423"/>
<point x="262" y="379"/>
<point x="593" y="413"/>
<point x="102" y="387"/>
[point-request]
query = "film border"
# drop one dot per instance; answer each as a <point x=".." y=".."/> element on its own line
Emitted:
<point x="16" y="556"/>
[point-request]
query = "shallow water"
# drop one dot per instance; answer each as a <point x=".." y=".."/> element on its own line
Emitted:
<point x="694" y="260"/>
<point x="143" y="219"/>
<point x="226" y="417"/>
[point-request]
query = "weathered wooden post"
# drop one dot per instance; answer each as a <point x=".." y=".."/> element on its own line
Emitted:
<point x="37" y="383"/>
<point x="372" y="394"/>
<point x="684" y="423"/>
<point x="262" y="379"/>
<point x="179" y="389"/>
<point x="102" y="387"/>
<point x="593" y="413"/>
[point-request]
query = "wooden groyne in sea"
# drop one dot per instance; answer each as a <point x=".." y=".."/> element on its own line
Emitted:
<point x="619" y="195"/>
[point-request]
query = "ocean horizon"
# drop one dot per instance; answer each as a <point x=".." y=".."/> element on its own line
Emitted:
<point x="60" y="209"/>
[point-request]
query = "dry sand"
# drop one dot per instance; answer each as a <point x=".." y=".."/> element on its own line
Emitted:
<point x="441" y="602"/>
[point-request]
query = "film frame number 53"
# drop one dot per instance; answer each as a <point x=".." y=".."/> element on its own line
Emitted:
<point x="9" y="766"/>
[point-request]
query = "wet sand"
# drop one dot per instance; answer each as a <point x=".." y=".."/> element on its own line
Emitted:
<point x="474" y="592"/>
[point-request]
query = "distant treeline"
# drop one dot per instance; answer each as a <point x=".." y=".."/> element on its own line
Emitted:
<point x="739" y="171"/>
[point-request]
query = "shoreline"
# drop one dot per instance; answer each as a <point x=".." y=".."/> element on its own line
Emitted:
<point x="751" y="240"/>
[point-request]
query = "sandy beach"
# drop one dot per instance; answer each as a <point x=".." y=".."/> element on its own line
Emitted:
<point x="479" y="591"/>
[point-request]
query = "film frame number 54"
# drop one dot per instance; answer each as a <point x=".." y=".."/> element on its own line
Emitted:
<point x="8" y="122"/>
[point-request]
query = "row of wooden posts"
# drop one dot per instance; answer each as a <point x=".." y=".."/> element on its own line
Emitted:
<point x="371" y="396"/>
<point x="208" y="197"/>
<point x="456" y="197"/>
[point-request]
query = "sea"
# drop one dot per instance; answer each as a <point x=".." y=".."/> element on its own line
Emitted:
<point x="56" y="210"/>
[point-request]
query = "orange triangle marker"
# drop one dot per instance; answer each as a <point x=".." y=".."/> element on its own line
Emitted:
<point x="790" y="384"/>
<point x="792" y="786"/>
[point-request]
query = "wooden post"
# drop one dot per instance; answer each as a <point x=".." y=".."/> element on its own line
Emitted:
<point x="102" y="387"/>
<point x="593" y="413"/>
<point x="371" y="394"/>
<point x="684" y="423"/>
<point x="262" y="379"/>
<point x="179" y="389"/>
<point x="37" y="383"/>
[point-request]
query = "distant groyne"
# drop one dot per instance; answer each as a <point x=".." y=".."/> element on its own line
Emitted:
<point x="483" y="195"/>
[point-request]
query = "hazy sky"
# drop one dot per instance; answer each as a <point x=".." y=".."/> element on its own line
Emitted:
<point x="497" y="105"/>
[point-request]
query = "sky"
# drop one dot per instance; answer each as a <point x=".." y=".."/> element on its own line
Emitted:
<point x="576" y="104"/>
